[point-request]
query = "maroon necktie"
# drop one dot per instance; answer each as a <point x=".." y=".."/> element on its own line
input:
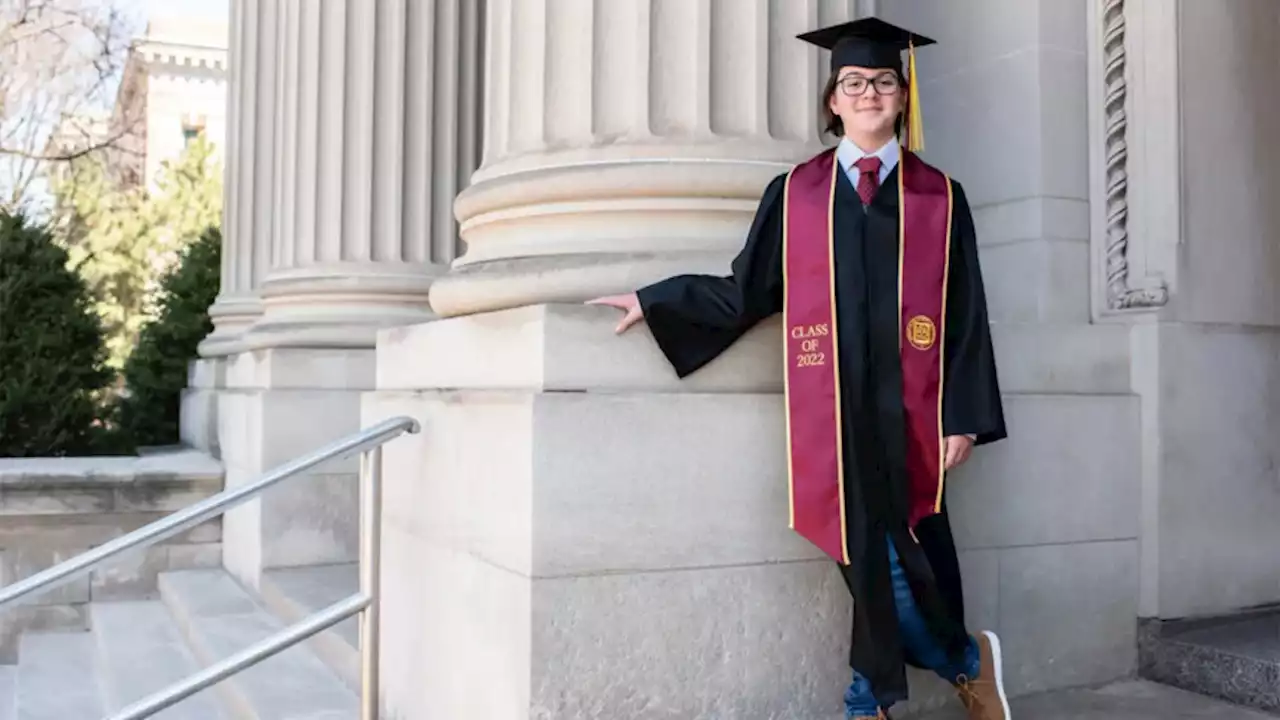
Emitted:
<point x="868" y="177"/>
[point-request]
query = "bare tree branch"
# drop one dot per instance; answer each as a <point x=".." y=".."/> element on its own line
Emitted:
<point x="59" y="64"/>
<point x="63" y="156"/>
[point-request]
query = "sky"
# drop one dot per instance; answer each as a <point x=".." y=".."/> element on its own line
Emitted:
<point x="215" y="9"/>
<point x="137" y="12"/>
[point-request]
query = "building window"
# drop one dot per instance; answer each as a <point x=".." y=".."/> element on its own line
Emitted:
<point x="192" y="128"/>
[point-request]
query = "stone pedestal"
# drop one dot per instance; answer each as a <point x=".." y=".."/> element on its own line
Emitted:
<point x="575" y="534"/>
<point x="572" y="514"/>
<point x="278" y="405"/>
<point x="198" y="415"/>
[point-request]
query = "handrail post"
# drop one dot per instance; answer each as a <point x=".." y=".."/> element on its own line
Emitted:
<point x="370" y="578"/>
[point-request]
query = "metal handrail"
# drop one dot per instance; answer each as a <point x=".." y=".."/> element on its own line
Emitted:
<point x="369" y="443"/>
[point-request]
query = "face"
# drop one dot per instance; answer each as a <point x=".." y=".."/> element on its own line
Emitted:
<point x="868" y="100"/>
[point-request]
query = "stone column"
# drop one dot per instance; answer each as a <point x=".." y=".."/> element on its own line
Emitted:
<point x="238" y="305"/>
<point x="361" y="118"/>
<point x="371" y="131"/>
<point x="625" y="141"/>
<point x="251" y="102"/>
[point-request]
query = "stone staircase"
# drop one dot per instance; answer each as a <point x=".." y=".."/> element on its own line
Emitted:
<point x="136" y="647"/>
<point x="1234" y="658"/>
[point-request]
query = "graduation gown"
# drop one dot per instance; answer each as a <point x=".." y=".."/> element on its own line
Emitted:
<point x="694" y="318"/>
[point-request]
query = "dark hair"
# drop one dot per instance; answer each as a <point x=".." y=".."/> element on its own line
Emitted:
<point x="831" y="122"/>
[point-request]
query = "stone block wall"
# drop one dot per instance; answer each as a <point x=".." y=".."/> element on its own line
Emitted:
<point x="52" y="509"/>
<point x="1047" y="523"/>
<point x="1215" y="493"/>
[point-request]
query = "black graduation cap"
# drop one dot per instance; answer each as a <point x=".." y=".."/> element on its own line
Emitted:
<point x="868" y="42"/>
<point x="874" y="43"/>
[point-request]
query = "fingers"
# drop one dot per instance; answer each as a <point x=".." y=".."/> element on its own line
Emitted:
<point x="949" y="461"/>
<point x="622" y="302"/>
<point x="958" y="450"/>
<point x="632" y="317"/>
<point x="627" y="303"/>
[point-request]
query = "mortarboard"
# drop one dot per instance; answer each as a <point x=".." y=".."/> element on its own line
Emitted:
<point x="869" y="42"/>
<point x="873" y="43"/>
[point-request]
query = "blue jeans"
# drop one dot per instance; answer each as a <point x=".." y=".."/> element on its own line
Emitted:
<point x="859" y="700"/>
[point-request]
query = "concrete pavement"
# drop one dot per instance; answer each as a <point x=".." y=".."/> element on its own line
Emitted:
<point x="1134" y="700"/>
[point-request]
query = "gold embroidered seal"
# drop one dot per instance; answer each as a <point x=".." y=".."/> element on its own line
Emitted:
<point x="921" y="332"/>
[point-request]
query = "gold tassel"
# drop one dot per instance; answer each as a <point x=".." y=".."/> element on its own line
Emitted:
<point x="915" y="124"/>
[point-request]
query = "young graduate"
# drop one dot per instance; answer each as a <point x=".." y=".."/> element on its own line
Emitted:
<point x="871" y="257"/>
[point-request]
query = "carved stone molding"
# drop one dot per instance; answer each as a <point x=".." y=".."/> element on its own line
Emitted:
<point x="1132" y="253"/>
<point x="1120" y="294"/>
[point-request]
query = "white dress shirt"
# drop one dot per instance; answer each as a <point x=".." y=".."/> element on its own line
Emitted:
<point x="847" y="154"/>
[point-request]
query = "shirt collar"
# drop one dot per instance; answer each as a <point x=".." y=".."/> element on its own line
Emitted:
<point x="848" y="154"/>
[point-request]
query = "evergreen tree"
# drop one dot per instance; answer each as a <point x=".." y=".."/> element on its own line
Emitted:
<point x="123" y="240"/>
<point x="52" y="369"/>
<point x="156" y="373"/>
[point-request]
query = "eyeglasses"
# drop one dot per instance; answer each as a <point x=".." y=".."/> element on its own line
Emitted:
<point x="854" y="85"/>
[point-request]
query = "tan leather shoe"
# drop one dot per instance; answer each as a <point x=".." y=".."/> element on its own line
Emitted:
<point x="984" y="695"/>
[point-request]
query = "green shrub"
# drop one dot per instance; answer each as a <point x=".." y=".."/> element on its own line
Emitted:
<point x="156" y="371"/>
<point x="52" y="371"/>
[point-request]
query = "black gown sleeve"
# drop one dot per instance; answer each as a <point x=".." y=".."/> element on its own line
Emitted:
<point x="694" y="318"/>
<point x="971" y="401"/>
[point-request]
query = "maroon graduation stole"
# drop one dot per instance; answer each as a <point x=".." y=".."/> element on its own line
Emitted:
<point x="814" y="449"/>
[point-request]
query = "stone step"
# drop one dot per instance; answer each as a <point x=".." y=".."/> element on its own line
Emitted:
<point x="218" y="618"/>
<point x="1234" y="658"/>
<point x="292" y="594"/>
<point x="58" y="678"/>
<point x="141" y="651"/>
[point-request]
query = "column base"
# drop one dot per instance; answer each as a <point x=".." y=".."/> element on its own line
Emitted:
<point x="340" y="305"/>
<point x="598" y="553"/>
<point x="502" y="284"/>
<point x="231" y="316"/>
<point x="585" y="225"/>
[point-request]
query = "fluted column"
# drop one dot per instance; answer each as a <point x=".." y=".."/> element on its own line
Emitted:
<point x="626" y="140"/>
<point x="238" y="304"/>
<point x="362" y="144"/>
